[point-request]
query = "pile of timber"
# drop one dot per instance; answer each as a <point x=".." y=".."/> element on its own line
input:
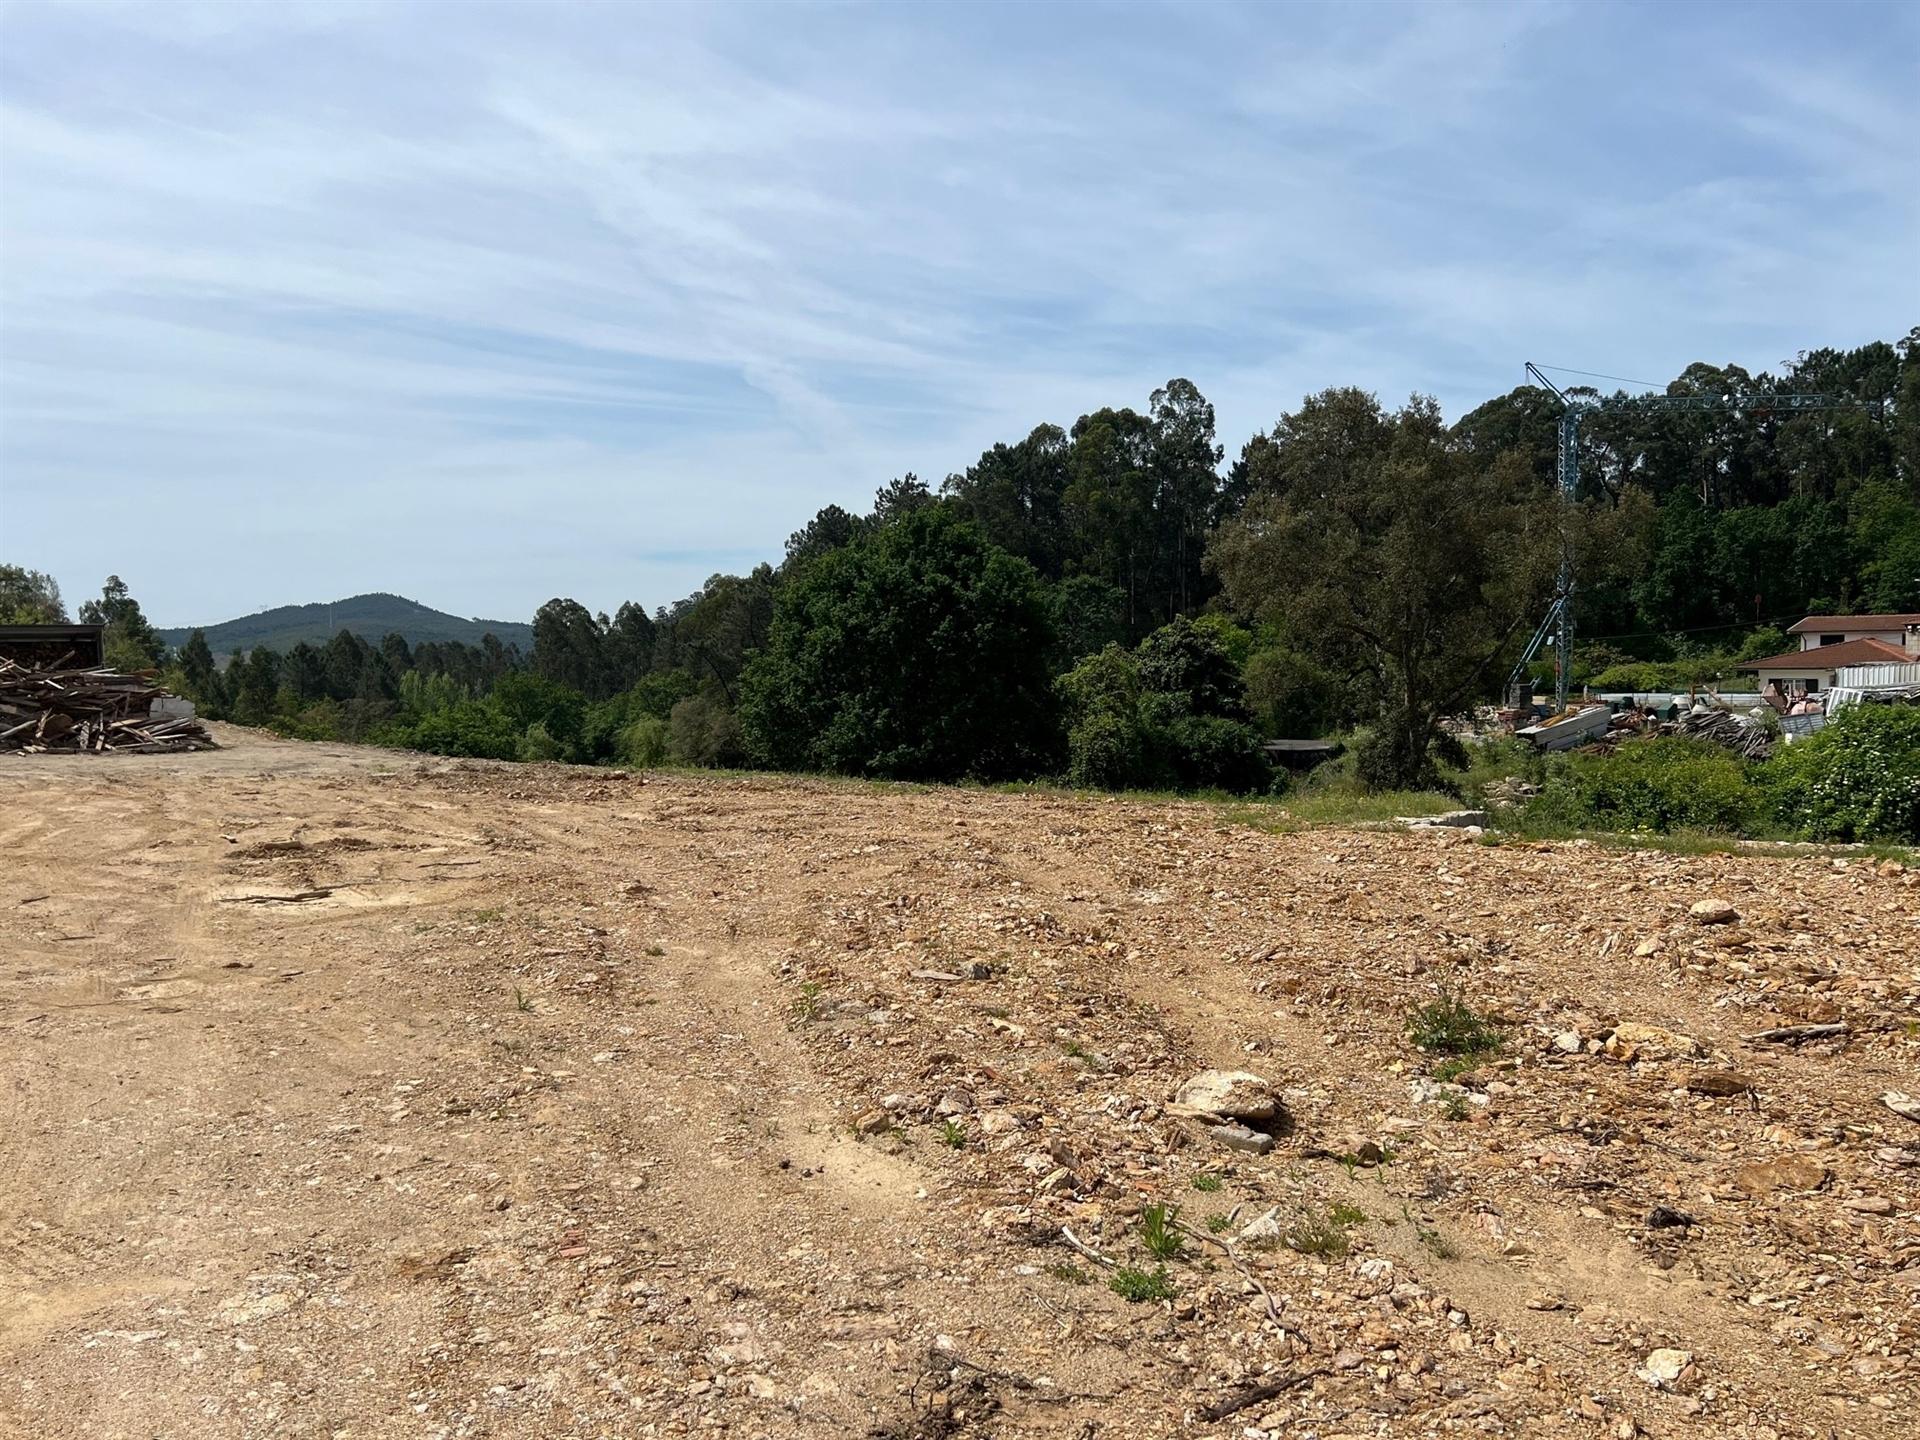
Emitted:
<point x="91" y="710"/>
<point x="1737" y="733"/>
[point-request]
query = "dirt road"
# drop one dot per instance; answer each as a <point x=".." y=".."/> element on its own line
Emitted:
<point x="349" y="1095"/>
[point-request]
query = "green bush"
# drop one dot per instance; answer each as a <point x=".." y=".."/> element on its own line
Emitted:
<point x="476" y="728"/>
<point x="918" y="652"/>
<point x="1106" y="751"/>
<point x="1858" y="778"/>
<point x="643" y="743"/>
<point x="1639" y="677"/>
<point x="1212" y="752"/>
<point x="538" y="745"/>
<point x="1294" y="696"/>
<point x="1664" y="784"/>
<point x="702" y="731"/>
<point x="1168" y="714"/>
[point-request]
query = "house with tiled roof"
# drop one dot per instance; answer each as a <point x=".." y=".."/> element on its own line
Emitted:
<point x="1830" y="643"/>
<point x="1819" y="630"/>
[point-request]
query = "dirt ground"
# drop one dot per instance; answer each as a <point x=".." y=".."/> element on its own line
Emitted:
<point x="350" y="1095"/>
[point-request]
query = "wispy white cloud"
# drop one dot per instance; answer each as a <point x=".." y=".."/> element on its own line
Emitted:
<point x="492" y="303"/>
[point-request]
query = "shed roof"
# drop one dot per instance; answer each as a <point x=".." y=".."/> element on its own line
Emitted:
<point x="1830" y="623"/>
<point x="1832" y="657"/>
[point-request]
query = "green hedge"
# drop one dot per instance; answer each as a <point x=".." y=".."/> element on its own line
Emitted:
<point x="1663" y="785"/>
<point x="1857" y="779"/>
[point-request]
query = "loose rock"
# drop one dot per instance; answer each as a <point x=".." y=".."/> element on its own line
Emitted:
<point x="1790" y="1172"/>
<point x="1664" y="1367"/>
<point x="1713" y="912"/>
<point x="1230" y="1094"/>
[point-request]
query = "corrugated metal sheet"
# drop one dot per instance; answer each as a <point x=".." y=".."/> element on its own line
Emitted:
<point x="1872" y="677"/>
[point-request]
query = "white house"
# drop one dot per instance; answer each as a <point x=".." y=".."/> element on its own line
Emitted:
<point x="1818" y="630"/>
<point x="1830" y="643"/>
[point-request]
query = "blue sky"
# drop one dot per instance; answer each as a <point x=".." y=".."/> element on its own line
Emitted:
<point x="488" y="303"/>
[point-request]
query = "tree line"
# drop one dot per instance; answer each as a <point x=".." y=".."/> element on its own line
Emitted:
<point x="1116" y="603"/>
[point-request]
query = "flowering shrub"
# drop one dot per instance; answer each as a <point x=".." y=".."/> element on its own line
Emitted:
<point x="1856" y="779"/>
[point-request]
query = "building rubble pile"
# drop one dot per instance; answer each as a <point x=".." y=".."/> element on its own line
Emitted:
<point x="94" y="710"/>
<point x="1744" y="735"/>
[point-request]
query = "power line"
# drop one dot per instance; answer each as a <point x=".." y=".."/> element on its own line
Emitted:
<point x="1698" y="629"/>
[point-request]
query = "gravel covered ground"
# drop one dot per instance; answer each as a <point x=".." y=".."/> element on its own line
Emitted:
<point x="347" y="1095"/>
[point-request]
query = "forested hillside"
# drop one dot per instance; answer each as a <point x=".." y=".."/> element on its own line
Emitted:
<point x="1119" y="603"/>
<point x="371" y="617"/>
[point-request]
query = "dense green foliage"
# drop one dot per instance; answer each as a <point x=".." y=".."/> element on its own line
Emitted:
<point x="1397" y="557"/>
<point x="917" y="651"/>
<point x="131" y="643"/>
<point x="28" y="597"/>
<point x="1856" y="779"/>
<point x="1663" y="785"/>
<point x="1170" y="714"/>
<point x="1106" y="602"/>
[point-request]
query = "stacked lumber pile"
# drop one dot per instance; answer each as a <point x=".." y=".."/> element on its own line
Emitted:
<point x="93" y="710"/>
<point x="1738" y="733"/>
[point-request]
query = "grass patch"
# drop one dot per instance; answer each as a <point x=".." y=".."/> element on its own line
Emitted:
<point x="1132" y="1283"/>
<point x="1219" y="1223"/>
<point x="1316" y="1235"/>
<point x="1344" y="1215"/>
<point x="1068" y="1273"/>
<point x="1157" y="1231"/>
<point x="954" y="1135"/>
<point x="1448" y="1025"/>
<point x="1206" y="1184"/>
<point x="806" y="1005"/>
<point x="1333" y="808"/>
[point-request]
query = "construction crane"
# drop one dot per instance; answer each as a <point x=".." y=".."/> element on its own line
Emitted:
<point x="1557" y="624"/>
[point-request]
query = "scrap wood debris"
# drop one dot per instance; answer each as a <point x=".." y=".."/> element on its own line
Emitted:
<point x="92" y="710"/>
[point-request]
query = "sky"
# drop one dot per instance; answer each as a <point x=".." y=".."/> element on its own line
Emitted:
<point x="484" y="304"/>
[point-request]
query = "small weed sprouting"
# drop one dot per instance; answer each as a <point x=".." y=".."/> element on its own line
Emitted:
<point x="1219" y="1223"/>
<point x="656" y="950"/>
<point x="1450" y="1026"/>
<point x="954" y="1134"/>
<point x="1136" y="1285"/>
<point x="1321" y="1238"/>
<point x="1437" y="1244"/>
<point x="1206" y="1184"/>
<point x="807" y="1005"/>
<point x="1454" y="1066"/>
<point x="487" y="917"/>
<point x="1068" y="1273"/>
<point x="1157" y="1231"/>
<point x="1344" y="1215"/>
<point x="522" y="1000"/>
<point x="1456" y="1108"/>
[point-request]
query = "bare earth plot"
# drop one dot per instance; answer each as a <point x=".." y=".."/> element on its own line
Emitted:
<point x="347" y="1095"/>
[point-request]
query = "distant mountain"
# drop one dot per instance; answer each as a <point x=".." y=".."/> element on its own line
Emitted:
<point x="371" y="617"/>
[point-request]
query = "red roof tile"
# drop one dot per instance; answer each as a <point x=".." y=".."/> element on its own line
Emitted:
<point x="1831" y="623"/>
<point x="1832" y="657"/>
